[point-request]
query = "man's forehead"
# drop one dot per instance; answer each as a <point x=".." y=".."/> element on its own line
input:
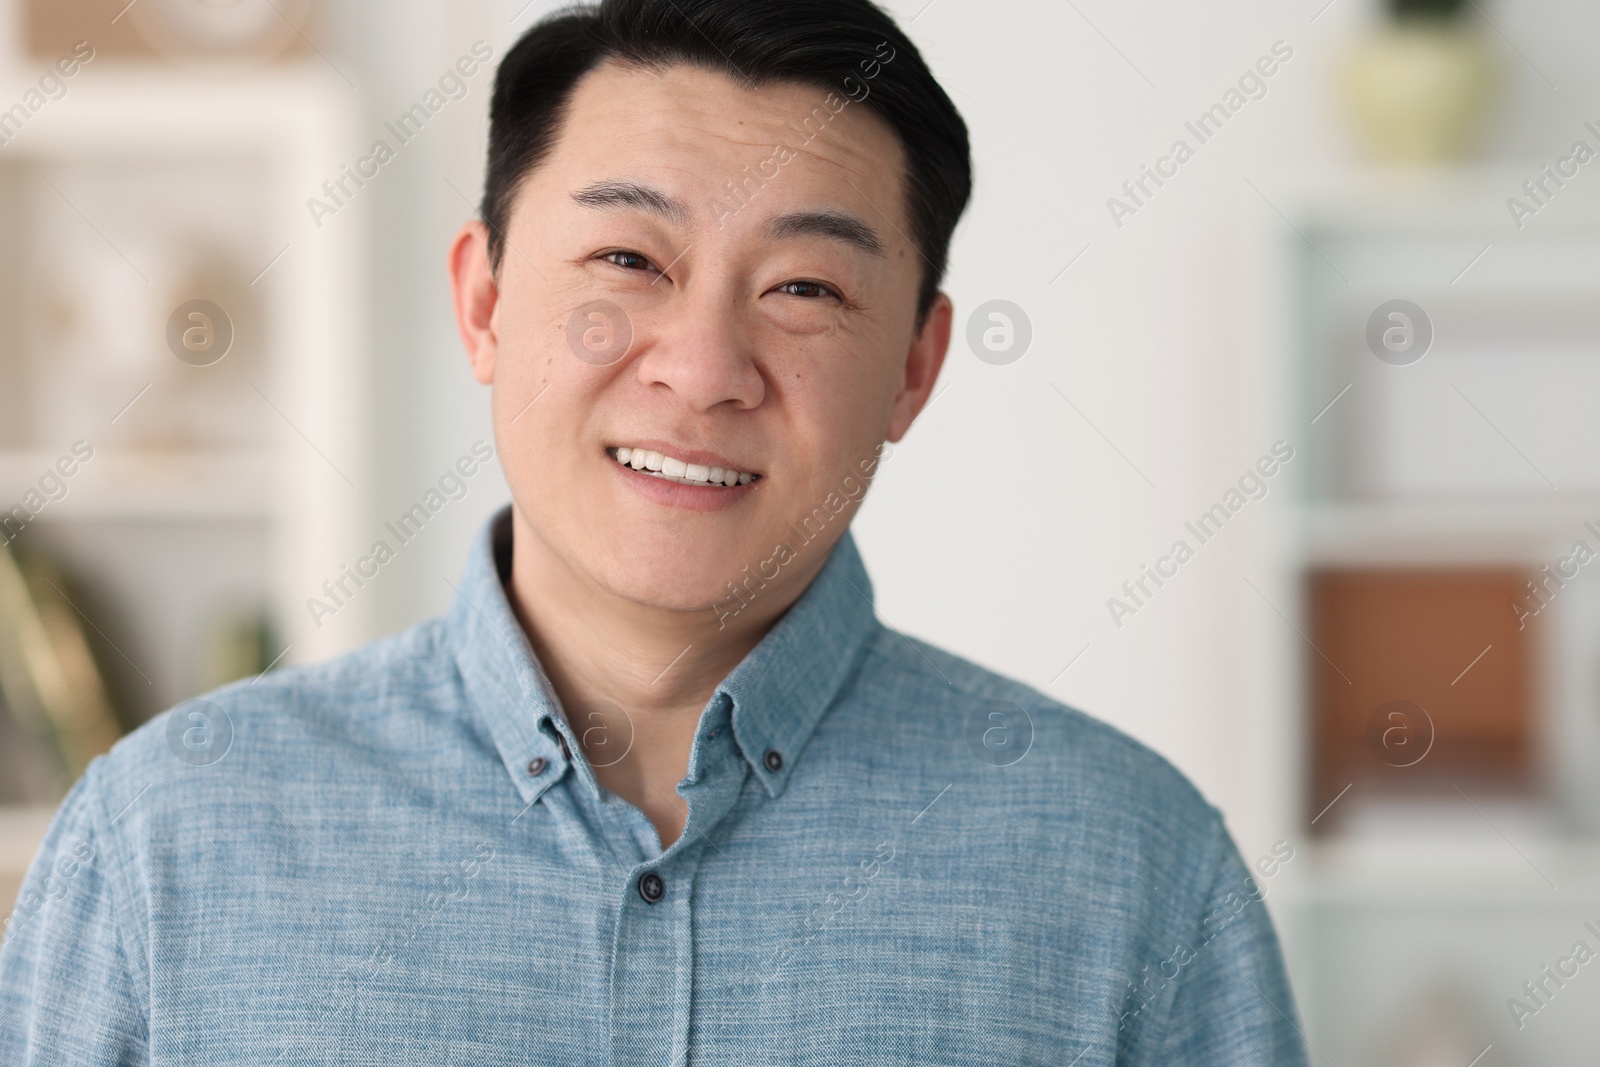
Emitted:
<point x="692" y="91"/>
<point x="688" y="116"/>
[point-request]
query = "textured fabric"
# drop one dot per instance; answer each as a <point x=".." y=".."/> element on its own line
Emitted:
<point x="891" y="857"/>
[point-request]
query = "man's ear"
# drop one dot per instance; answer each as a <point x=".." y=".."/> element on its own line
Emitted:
<point x="476" y="296"/>
<point x="922" y="367"/>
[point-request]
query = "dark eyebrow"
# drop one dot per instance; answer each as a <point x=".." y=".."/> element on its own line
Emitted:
<point x="634" y="195"/>
<point x="835" y="225"/>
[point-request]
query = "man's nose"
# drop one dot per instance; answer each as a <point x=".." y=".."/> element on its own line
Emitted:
<point x="704" y="353"/>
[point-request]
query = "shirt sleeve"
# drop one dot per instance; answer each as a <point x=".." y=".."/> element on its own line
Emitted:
<point x="1233" y="1003"/>
<point x="67" y="991"/>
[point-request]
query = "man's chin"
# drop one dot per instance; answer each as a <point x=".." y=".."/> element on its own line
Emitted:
<point x="721" y="581"/>
<point x="670" y="586"/>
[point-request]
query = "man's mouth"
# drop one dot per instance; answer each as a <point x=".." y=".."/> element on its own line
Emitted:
<point x="671" y="469"/>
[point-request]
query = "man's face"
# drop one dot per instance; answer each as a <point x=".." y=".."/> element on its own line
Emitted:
<point x="677" y="285"/>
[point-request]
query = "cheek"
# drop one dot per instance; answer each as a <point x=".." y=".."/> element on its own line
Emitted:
<point x="524" y="362"/>
<point x="837" y="411"/>
<point x="540" y="393"/>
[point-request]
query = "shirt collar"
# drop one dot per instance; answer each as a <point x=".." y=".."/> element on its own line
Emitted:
<point x="777" y="694"/>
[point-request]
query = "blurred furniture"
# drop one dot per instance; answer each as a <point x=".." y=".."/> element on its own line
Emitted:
<point x="1433" y="557"/>
<point x="192" y="32"/>
<point x="221" y="493"/>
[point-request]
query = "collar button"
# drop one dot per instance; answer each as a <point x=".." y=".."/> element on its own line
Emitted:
<point x="774" y="760"/>
<point x="537" y="765"/>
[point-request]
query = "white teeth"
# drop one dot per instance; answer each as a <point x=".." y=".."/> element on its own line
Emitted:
<point x="677" y="470"/>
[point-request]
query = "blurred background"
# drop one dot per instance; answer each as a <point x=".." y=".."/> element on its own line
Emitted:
<point x="1269" y="433"/>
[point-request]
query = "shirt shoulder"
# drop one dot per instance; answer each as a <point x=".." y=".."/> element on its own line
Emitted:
<point x="924" y="693"/>
<point x="1039" y="763"/>
<point x="367" y="708"/>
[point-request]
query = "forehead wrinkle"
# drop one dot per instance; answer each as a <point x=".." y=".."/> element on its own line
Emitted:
<point x="857" y="158"/>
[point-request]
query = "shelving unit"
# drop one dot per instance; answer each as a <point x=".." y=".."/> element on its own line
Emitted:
<point x="236" y="487"/>
<point x="1477" y="456"/>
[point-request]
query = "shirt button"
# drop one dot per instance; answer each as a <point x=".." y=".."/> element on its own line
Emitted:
<point x="536" y="766"/>
<point x="566" y="753"/>
<point x="651" y="887"/>
<point x="774" y="760"/>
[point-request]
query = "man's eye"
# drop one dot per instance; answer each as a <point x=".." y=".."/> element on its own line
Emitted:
<point x="628" y="260"/>
<point x="809" y="290"/>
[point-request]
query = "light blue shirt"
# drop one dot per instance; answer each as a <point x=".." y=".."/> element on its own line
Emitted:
<point x="403" y="857"/>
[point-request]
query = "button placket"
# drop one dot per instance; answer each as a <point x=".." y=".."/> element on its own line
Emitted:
<point x="651" y="991"/>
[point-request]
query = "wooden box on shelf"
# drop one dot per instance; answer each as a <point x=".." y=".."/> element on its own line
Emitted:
<point x="1423" y="685"/>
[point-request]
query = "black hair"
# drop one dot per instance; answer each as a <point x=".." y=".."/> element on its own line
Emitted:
<point x="831" y="44"/>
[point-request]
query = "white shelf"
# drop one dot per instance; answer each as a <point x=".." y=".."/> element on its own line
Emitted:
<point x="1528" y="530"/>
<point x="153" y="112"/>
<point x="1469" y="866"/>
<point x="1438" y="200"/>
<point x="169" y="485"/>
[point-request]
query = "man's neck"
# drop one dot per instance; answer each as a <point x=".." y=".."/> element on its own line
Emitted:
<point x="632" y="678"/>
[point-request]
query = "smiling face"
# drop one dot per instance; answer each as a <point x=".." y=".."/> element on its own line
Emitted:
<point x="701" y="326"/>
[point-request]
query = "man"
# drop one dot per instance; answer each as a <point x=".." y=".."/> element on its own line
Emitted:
<point x="660" y="789"/>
